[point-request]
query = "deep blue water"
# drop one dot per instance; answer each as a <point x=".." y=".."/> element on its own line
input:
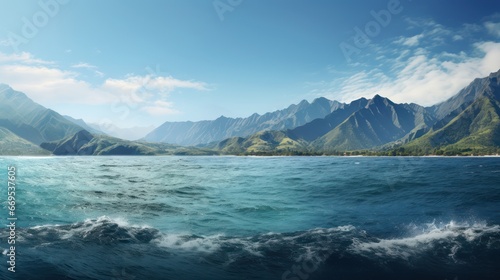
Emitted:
<point x="253" y="218"/>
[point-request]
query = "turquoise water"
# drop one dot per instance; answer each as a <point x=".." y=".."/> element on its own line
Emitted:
<point x="254" y="218"/>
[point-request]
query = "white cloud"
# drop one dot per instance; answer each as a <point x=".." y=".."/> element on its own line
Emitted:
<point x="471" y="27"/>
<point x="99" y="74"/>
<point x="160" y="108"/>
<point x="421" y="78"/>
<point x="5" y="43"/>
<point x="410" y="41"/>
<point x="493" y="28"/>
<point x="411" y="70"/>
<point x="51" y="86"/>
<point x="24" y="57"/>
<point x="151" y="83"/>
<point x="84" y="65"/>
<point x="432" y="34"/>
<point x="90" y="67"/>
<point x="430" y="26"/>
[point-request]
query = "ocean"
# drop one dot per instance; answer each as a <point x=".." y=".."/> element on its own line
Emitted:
<point x="225" y="217"/>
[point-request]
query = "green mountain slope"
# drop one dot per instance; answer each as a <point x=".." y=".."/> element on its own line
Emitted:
<point x="379" y="123"/>
<point x="468" y="123"/>
<point x="264" y="142"/>
<point x="456" y="104"/>
<point x="13" y="145"/>
<point x="476" y="129"/>
<point x="321" y="126"/>
<point x="31" y="121"/>
<point x="471" y="124"/>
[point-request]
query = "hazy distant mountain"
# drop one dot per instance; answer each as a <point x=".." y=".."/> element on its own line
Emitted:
<point x="84" y="125"/>
<point x="132" y="133"/>
<point x="84" y="143"/>
<point x="31" y="121"/>
<point x="193" y="133"/>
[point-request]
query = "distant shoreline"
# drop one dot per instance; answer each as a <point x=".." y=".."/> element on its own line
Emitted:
<point x="256" y="156"/>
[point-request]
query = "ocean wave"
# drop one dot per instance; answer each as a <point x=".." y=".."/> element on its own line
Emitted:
<point x="111" y="231"/>
<point x="453" y="241"/>
<point x="103" y="230"/>
<point x="446" y="239"/>
<point x="435" y="250"/>
<point x="302" y="244"/>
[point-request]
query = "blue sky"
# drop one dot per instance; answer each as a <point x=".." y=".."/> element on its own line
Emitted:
<point x="141" y="63"/>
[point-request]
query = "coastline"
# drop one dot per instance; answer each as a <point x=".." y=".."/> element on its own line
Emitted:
<point x="253" y="156"/>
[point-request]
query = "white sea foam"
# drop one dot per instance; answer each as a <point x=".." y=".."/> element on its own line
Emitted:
<point x="317" y="239"/>
<point x="208" y="244"/>
<point x="83" y="229"/>
<point x="189" y="242"/>
<point x="425" y="239"/>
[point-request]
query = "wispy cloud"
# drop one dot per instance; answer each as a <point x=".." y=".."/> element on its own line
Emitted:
<point x="429" y="25"/>
<point x="152" y="83"/>
<point x="99" y="74"/>
<point x="84" y="65"/>
<point x="90" y="67"/>
<point x="415" y="68"/>
<point x="409" y="41"/>
<point x="493" y="28"/>
<point x="160" y="108"/>
<point x="48" y="84"/>
<point x="24" y="58"/>
<point x="5" y="43"/>
<point x="431" y="33"/>
<point x="420" y="77"/>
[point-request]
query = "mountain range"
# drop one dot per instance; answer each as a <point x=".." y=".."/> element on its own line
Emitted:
<point x="467" y="123"/>
<point x="203" y="132"/>
<point x="28" y="128"/>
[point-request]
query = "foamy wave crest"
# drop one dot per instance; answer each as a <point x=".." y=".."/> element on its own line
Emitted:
<point x="190" y="242"/>
<point x="441" y="238"/>
<point x="293" y="246"/>
<point x="103" y="230"/>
